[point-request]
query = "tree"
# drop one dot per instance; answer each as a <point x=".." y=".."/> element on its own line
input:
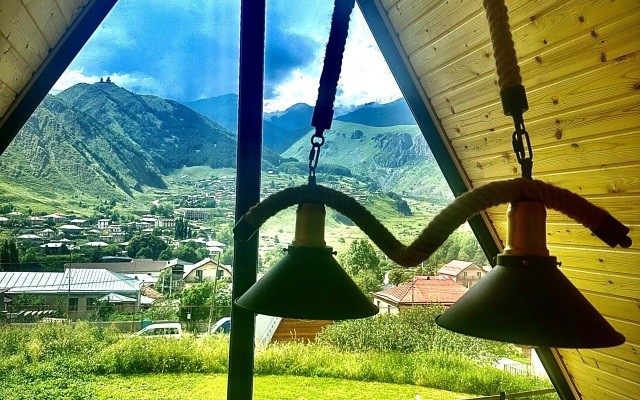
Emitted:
<point x="186" y="253"/>
<point x="152" y="246"/>
<point x="368" y="282"/>
<point x="197" y="300"/>
<point x="270" y="258"/>
<point x="398" y="276"/>
<point x="164" y="281"/>
<point x="361" y="256"/>
<point x="363" y="264"/>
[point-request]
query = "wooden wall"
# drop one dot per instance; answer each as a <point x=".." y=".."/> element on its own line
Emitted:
<point x="28" y="31"/>
<point x="580" y="63"/>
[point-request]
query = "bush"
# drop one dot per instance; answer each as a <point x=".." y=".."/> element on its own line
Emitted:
<point x="412" y="330"/>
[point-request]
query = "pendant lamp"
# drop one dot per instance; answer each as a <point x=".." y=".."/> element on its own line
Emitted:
<point x="308" y="283"/>
<point x="526" y="299"/>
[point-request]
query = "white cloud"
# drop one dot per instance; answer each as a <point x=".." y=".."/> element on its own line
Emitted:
<point x="72" y="77"/>
<point x="365" y="76"/>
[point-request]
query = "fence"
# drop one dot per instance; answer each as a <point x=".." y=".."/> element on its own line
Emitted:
<point x="126" y="319"/>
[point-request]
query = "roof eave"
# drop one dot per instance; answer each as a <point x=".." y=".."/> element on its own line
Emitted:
<point x="50" y="70"/>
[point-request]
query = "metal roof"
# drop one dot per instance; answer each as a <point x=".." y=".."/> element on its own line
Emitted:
<point x="70" y="281"/>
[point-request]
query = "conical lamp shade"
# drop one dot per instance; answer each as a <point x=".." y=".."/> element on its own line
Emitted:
<point x="528" y="301"/>
<point x="308" y="283"/>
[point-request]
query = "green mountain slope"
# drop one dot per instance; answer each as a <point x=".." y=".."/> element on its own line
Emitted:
<point x="396" y="158"/>
<point x="64" y="152"/>
<point x="173" y="134"/>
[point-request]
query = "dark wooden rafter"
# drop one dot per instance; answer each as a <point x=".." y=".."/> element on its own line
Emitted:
<point x="458" y="182"/>
<point x="52" y="67"/>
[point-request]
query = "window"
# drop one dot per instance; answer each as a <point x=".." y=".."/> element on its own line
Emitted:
<point x="464" y="274"/>
<point x="73" y="304"/>
<point x="479" y="274"/>
<point x="91" y="303"/>
<point x="220" y="274"/>
<point x="199" y="275"/>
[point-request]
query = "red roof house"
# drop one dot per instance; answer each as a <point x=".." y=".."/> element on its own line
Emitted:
<point x="465" y="273"/>
<point x="422" y="290"/>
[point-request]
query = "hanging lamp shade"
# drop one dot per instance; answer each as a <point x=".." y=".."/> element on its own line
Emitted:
<point x="526" y="299"/>
<point x="308" y="283"/>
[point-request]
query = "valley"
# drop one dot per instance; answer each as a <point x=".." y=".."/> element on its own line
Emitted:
<point x="99" y="151"/>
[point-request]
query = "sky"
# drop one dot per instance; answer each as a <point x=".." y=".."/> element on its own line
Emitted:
<point x="188" y="50"/>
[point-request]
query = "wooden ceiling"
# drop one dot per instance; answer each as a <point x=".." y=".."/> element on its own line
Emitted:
<point x="580" y="64"/>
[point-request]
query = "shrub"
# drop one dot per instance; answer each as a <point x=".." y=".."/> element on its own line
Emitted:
<point x="412" y="330"/>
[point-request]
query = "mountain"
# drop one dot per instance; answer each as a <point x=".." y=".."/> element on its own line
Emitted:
<point x="224" y="110"/>
<point x="62" y="151"/>
<point x="102" y="139"/>
<point x="95" y="142"/>
<point x="173" y="134"/>
<point x="294" y="118"/>
<point x="393" y="158"/>
<point x="376" y="114"/>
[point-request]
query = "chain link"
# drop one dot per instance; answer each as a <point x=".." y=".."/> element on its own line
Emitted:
<point x="524" y="155"/>
<point x="317" y="140"/>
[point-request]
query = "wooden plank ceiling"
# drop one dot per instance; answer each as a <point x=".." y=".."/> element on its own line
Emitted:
<point x="580" y="65"/>
<point x="29" y="30"/>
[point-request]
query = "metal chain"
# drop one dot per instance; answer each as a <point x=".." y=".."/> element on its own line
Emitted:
<point x="524" y="155"/>
<point x="317" y="140"/>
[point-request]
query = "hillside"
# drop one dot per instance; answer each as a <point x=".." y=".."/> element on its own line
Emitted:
<point x="224" y="110"/>
<point x="375" y="114"/>
<point x="62" y="152"/>
<point x="394" y="158"/>
<point x="172" y="134"/>
<point x="92" y="143"/>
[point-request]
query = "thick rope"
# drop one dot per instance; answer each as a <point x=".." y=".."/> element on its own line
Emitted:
<point x="450" y="218"/>
<point x="323" y="111"/>
<point x="503" y="47"/>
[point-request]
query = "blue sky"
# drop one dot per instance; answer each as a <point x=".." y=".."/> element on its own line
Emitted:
<point x="188" y="49"/>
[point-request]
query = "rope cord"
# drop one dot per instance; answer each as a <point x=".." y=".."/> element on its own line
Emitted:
<point x="462" y="208"/>
<point x="323" y="111"/>
<point x="503" y="47"/>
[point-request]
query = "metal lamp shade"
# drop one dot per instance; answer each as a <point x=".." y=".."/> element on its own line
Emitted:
<point x="528" y="301"/>
<point x="308" y="283"/>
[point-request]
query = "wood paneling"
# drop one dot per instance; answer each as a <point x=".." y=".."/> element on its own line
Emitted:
<point x="298" y="329"/>
<point x="580" y="63"/>
<point x="28" y="31"/>
<point x="612" y="383"/>
<point x="17" y="26"/>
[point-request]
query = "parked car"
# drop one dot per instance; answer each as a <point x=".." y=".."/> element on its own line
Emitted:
<point x="172" y="329"/>
<point x="222" y="326"/>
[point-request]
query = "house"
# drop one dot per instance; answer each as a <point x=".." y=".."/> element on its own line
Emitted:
<point x="29" y="239"/>
<point x="579" y="59"/>
<point x="465" y="273"/>
<point x="79" y="222"/>
<point x="55" y="248"/>
<point x="103" y="223"/>
<point x="165" y="223"/>
<point x="70" y="230"/>
<point x="421" y="291"/>
<point x="204" y="270"/>
<point x="134" y="266"/>
<point x="74" y="292"/>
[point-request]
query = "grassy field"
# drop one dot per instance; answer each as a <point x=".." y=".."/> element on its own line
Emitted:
<point x="214" y="386"/>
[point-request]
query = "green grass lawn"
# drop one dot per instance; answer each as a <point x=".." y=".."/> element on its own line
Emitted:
<point x="270" y="387"/>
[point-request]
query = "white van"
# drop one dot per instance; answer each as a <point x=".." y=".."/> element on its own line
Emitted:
<point x="172" y="329"/>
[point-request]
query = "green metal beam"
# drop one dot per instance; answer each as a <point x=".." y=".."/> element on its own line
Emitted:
<point x="248" y="167"/>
